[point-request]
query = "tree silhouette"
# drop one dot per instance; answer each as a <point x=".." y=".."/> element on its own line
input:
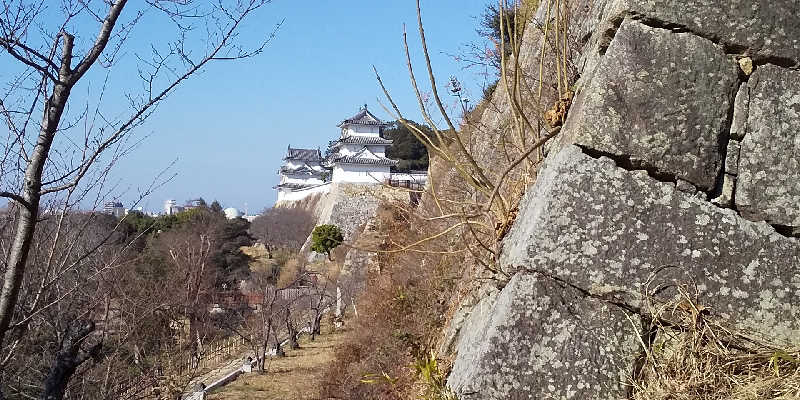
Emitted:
<point x="325" y="238"/>
<point x="407" y="149"/>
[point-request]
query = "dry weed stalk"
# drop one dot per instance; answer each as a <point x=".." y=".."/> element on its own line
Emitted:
<point x="485" y="212"/>
<point x="427" y="252"/>
<point x="695" y="356"/>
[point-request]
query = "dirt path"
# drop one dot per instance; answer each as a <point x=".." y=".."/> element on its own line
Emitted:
<point x="295" y="376"/>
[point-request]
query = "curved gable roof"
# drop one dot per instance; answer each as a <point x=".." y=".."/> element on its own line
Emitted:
<point x="363" y="117"/>
<point x="303" y="154"/>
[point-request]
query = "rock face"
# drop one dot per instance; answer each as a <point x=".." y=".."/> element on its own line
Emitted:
<point x="678" y="166"/>
<point x="676" y="132"/>
<point x="350" y="207"/>
<point x="358" y="262"/>
<point x="767" y="30"/>
<point x="619" y="234"/>
<point x="538" y="332"/>
<point x="591" y="240"/>
<point x="769" y="165"/>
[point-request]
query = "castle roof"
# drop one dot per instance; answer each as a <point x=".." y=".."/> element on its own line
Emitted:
<point x="366" y="161"/>
<point x="361" y="140"/>
<point x="296" y="186"/>
<point x="364" y="156"/>
<point x="303" y="169"/>
<point x="363" y="117"/>
<point x="303" y="154"/>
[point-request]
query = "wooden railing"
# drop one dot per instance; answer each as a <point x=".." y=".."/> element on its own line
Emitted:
<point x="406" y="184"/>
<point x="184" y="366"/>
<point x="181" y="367"/>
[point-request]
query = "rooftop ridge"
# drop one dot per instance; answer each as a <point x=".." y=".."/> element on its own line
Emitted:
<point x="363" y="117"/>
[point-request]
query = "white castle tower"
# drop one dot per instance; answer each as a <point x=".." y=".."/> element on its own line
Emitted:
<point x="359" y="155"/>
<point x="301" y="171"/>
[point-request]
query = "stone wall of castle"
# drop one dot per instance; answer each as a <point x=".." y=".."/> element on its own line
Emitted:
<point x="678" y="166"/>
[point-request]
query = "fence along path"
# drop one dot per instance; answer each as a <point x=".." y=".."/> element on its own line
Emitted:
<point x="180" y="367"/>
<point x="217" y="354"/>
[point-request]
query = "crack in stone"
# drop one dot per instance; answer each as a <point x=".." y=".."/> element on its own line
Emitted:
<point x="727" y="47"/>
<point x="647" y="331"/>
<point x="629" y="164"/>
<point x="722" y="142"/>
<point x="625" y="162"/>
<point x="607" y="36"/>
<point x="786" y="230"/>
<point x="588" y="294"/>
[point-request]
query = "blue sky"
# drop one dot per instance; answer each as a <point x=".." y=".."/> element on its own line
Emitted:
<point x="228" y="128"/>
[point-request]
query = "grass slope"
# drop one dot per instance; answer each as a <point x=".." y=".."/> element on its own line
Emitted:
<point x="295" y="376"/>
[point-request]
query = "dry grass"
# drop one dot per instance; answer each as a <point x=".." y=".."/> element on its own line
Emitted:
<point x="295" y="376"/>
<point x="695" y="357"/>
<point x="260" y="260"/>
<point x="400" y="314"/>
<point x="289" y="273"/>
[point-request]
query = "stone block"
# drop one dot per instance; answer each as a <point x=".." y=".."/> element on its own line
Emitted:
<point x="746" y="65"/>
<point x="762" y="29"/>
<point x="457" y="327"/>
<point x="769" y="166"/>
<point x="660" y="100"/>
<point x="542" y="339"/>
<point x="616" y="233"/>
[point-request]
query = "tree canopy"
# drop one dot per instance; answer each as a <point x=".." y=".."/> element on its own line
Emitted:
<point x="325" y="238"/>
<point x="407" y="149"/>
<point x="490" y="28"/>
<point x="282" y="228"/>
<point x="216" y="207"/>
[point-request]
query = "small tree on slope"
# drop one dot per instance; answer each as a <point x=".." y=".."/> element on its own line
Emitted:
<point x="325" y="238"/>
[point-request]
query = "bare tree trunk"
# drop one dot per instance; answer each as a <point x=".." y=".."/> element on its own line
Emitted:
<point x="262" y="355"/>
<point x="316" y="328"/>
<point x="292" y="331"/>
<point x="29" y="211"/>
<point x="31" y="189"/>
<point x="278" y="348"/>
<point x="68" y="359"/>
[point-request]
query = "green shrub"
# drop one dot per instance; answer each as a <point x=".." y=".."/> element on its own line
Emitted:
<point x="325" y="238"/>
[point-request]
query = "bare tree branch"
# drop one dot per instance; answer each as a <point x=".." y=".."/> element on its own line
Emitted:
<point x="19" y="199"/>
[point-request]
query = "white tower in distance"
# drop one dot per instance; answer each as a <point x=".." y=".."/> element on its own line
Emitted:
<point x="359" y="155"/>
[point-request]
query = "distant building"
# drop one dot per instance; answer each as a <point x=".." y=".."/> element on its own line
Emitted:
<point x="301" y="171"/>
<point x="359" y="155"/>
<point x="114" y="208"/>
<point x="192" y="204"/>
<point x="171" y="207"/>
<point x="231" y="213"/>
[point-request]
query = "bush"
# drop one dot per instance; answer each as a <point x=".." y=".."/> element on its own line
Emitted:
<point x="325" y="238"/>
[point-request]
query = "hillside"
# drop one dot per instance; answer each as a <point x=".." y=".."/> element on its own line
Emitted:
<point x="295" y="376"/>
<point x="648" y="250"/>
